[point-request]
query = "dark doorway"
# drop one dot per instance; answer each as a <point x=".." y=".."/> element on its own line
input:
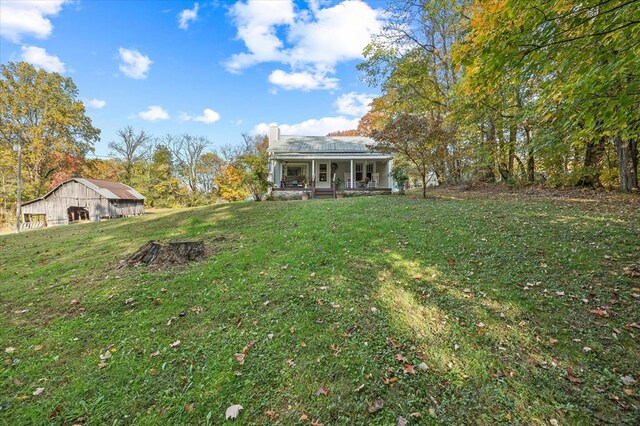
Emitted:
<point x="77" y="213"/>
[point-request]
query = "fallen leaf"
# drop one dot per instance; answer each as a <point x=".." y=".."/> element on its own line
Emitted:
<point x="105" y="355"/>
<point x="423" y="366"/>
<point x="390" y="381"/>
<point x="303" y="418"/>
<point x="188" y="408"/>
<point x="627" y="391"/>
<point x="240" y="358"/>
<point x="10" y="349"/>
<point x="553" y="422"/>
<point x="38" y="391"/>
<point x="271" y="414"/>
<point x="175" y="344"/>
<point x="359" y="388"/>
<point x="313" y="275"/>
<point x="55" y="413"/>
<point x="409" y="369"/>
<point x="232" y="411"/>
<point x="401" y="421"/>
<point x="628" y="380"/>
<point x="376" y="406"/>
<point x="316" y="422"/>
<point x="451" y="261"/>
<point x="292" y="330"/>
<point x="322" y="391"/>
<point x="38" y="347"/>
<point x="291" y="362"/>
<point x="417" y="414"/>
<point x="102" y="364"/>
<point x="574" y="379"/>
<point x="600" y="313"/>
<point x="401" y="358"/>
<point x="152" y="354"/>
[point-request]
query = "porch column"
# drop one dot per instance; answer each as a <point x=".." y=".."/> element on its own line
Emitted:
<point x="351" y="176"/>
<point x="390" y="177"/>
<point x="313" y="171"/>
<point x="281" y="177"/>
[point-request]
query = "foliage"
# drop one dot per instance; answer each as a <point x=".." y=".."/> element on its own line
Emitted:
<point x="231" y="183"/>
<point x="486" y="290"/>
<point x="531" y="90"/>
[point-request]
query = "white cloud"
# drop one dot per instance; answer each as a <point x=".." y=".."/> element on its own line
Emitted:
<point x="134" y="64"/>
<point x="95" y="103"/>
<point x="312" y="127"/>
<point x="20" y="18"/>
<point x="302" y="80"/>
<point x="316" y="39"/>
<point x="354" y="103"/>
<point x="39" y="58"/>
<point x="338" y="33"/>
<point x="187" y="16"/>
<point x="154" y="113"/>
<point x="208" y="116"/>
<point x="257" y="22"/>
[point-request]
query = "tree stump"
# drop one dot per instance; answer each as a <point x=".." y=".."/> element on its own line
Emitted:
<point x="157" y="255"/>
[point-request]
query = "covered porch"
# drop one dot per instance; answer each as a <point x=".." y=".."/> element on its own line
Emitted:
<point x="323" y="173"/>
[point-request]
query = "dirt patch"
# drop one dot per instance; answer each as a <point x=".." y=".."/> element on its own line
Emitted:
<point x="159" y="255"/>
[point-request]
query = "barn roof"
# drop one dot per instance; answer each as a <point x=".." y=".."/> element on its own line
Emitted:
<point x="106" y="188"/>
<point x="111" y="190"/>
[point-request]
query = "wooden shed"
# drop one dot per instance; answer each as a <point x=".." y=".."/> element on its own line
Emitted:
<point x="80" y="199"/>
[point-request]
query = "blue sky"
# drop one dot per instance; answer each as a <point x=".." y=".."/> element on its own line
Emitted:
<point x="215" y="69"/>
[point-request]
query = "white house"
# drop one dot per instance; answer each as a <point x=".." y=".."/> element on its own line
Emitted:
<point x="324" y="166"/>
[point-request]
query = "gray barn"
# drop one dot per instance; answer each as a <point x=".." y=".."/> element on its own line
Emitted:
<point x="82" y="199"/>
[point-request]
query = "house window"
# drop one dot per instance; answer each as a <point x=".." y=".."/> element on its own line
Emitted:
<point x="294" y="171"/>
<point x="322" y="175"/>
<point x="370" y="171"/>
<point x="358" y="172"/>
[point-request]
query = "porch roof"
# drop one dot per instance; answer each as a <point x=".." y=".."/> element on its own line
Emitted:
<point x="330" y="156"/>
<point x="323" y="144"/>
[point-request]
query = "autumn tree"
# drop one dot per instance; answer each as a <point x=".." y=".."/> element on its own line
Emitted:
<point x="41" y="117"/>
<point x="578" y="61"/>
<point x="417" y="139"/>
<point x="230" y="183"/>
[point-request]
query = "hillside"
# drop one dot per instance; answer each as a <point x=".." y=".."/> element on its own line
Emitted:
<point x="464" y="308"/>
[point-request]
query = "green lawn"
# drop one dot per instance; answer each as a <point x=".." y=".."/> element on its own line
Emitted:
<point x="467" y="308"/>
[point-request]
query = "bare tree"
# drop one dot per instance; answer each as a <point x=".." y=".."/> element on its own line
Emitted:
<point x="131" y="148"/>
<point x="187" y="153"/>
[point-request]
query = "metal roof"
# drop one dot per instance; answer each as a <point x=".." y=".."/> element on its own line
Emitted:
<point x="323" y="144"/>
<point x="111" y="190"/>
<point x="106" y="188"/>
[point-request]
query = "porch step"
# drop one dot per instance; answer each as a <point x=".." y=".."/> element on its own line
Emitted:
<point x="323" y="193"/>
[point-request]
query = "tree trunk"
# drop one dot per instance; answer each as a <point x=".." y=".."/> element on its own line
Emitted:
<point x="531" y="161"/>
<point x="424" y="185"/>
<point x="488" y="157"/>
<point x="627" y="163"/>
<point x="513" y="132"/>
<point x="593" y="164"/>
<point x="19" y="194"/>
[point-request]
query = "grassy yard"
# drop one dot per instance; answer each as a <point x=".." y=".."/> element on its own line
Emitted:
<point x="467" y="308"/>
